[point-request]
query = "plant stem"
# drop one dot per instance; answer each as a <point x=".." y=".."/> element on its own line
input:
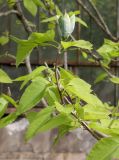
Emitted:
<point x="65" y="60"/>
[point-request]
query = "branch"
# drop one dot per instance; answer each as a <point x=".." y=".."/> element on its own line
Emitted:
<point x="104" y="29"/>
<point x="65" y="60"/>
<point x="3" y="14"/>
<point x="100" y="17"/>
<point x="28" y="29"/>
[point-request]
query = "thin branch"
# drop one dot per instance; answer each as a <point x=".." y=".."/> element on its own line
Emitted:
<point x="4" y="14"/>
<point x="97" y="21"/>
<point x="65" y="60"/>
<point x="28" y="29"/>
<point x="58" y="85"/>
<point x="100" y="17"/>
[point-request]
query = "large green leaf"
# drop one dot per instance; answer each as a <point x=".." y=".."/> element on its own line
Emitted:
<point x="38" y="121"/>
<point x="32" y="95"/>
<point x="30" y="6"/>
<point x="67" y="109"/>
<point x="66" y="76"/>
<point x="105" y="149"/>
<point x="7" y="120"/>
<point x="56" y="121"/>
<point x="95" y="112"/>
<point x="36" y="72"/>
<point x="10" y="100"/>
<point x="4" y="78"/>
<point x="25" y="47"/>
<point x="109" y="50"/>
<point x="80" y="88"/>
<point x="52" y="95"/>
<point x="79" y="44"/>
<point x="3" y="106"/>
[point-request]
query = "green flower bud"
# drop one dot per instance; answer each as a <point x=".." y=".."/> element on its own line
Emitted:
<point x="67" y="25"/>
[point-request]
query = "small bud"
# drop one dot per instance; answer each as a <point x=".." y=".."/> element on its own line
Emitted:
<point x="67" y="25"/>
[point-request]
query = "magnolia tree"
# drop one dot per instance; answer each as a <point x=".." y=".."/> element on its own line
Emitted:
<point x="69" y="101"/>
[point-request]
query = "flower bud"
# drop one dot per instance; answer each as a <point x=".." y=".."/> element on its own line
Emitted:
<point x="67" y="25"/>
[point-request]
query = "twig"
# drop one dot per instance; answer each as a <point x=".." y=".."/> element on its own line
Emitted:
<point x="100" y="17"/>
<point x="96" y="58"/>
<point x="4" y="14"/>
<point x="65" y="60"/>
<point x="97" y="21"/>
<point x="28" y="29"/>
<point x="57" y="83"/>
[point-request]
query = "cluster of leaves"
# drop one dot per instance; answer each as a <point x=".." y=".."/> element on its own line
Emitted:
<point x="71" y="102"/>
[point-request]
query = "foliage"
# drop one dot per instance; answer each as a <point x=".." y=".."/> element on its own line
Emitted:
<point x="71" y="102"/>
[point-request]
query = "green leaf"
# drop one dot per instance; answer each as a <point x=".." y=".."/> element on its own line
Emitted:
<point x="30" y="6"/>
<point x="105" y="149"/>
<point x="95" y="112"/>
<point x="4" y="78"/>
<point x="67" y="109"/>
<point x="115" y="79"/>
<point x="79" y="20"/>
<point x="79" y="44"/>
<point x="74" y="13"/>
<point x="31" y="116"/>
<point x="7" y="120"/>
<point x="52" y="95"/>
<point x="4" y="40"/>
<point x="40" y="4"/>
<point x="56" y="121"/>
<point x="32" y="95"/>
<point x="100" y="77"/>
<point x="39" y="120"/>
<point x="3" y="106"/>
<point x="25" y="47"/>
<point x="105" y="127"/>
<point x="54" y="18"/>
<point x="66" y="76"/>
<point x="62" y="130"/>
<point x="11" y="3"/>
<point x="10" y="99"/>
<point x="109" y="50"/>
<point x="84" y="54"/>
<point x="40" y="38"/>
<point x="36" y="72"/>
<point x="81" y="89"/>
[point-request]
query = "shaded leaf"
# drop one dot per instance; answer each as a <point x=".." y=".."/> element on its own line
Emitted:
<point x="39" y="120"/>
<point x="30" y="6"/>
<point x="79" y="20"/>
<point x="32" y="95"/>
<point x="115" y="80"/>
<point x="105" y="149"/>
<point x="4" y="78"/>
<point x="79" y="44"/>
<point x="100" y="77"/>
<point x="10" y="100"/>
<point x="8" y="119"/>
<point x="3" y="106"/>
<point x="4" y="40"/>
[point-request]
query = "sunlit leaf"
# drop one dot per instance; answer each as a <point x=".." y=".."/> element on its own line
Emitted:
<point x="105" y="149"/>
<point x="4" y="78"/>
